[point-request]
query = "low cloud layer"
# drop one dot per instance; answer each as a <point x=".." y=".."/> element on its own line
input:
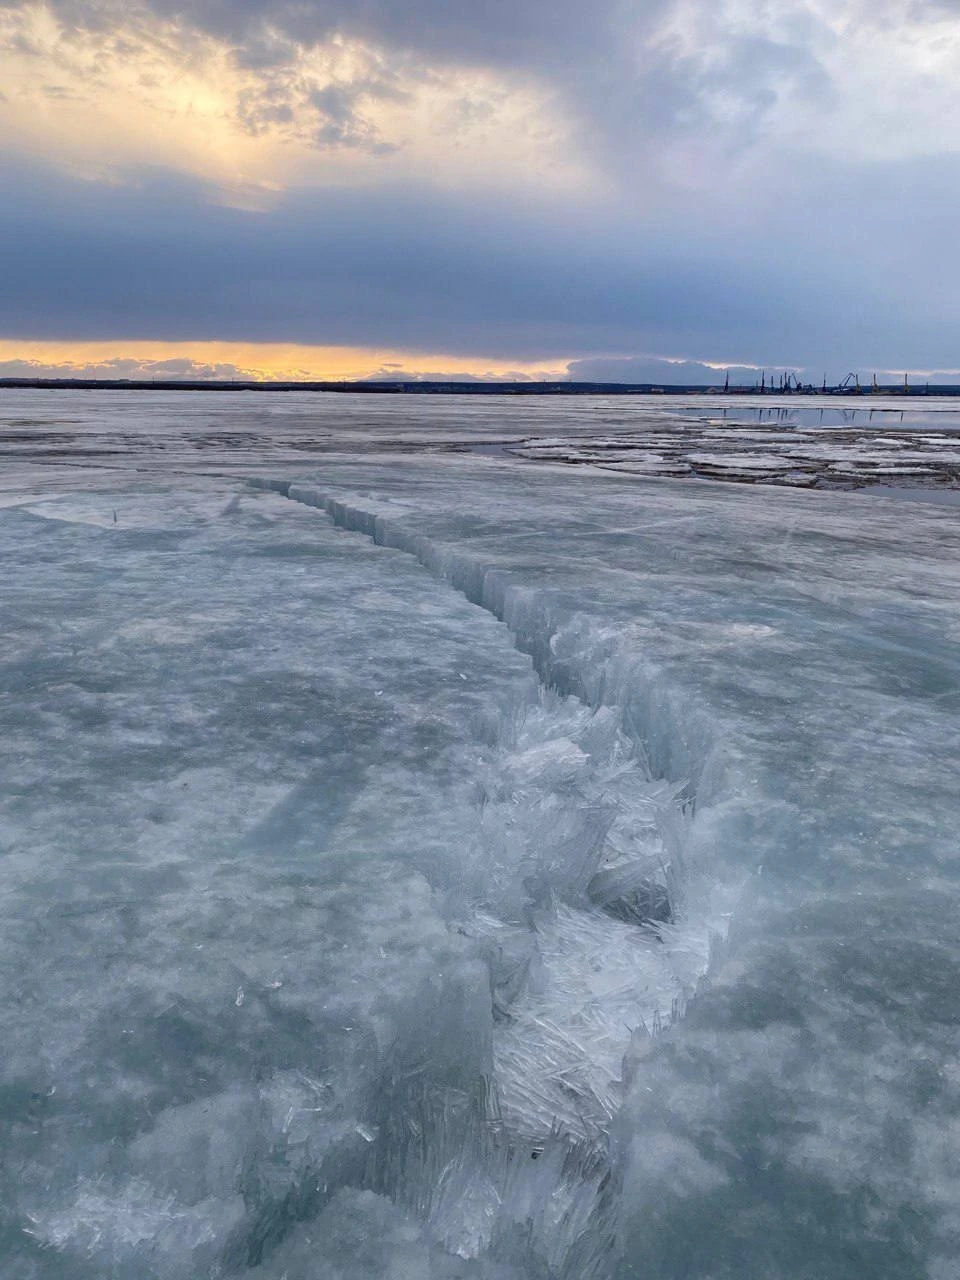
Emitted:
<point x="129" y="369"/>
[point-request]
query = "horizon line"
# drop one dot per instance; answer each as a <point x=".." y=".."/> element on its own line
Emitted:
<point x="469" y="386"/>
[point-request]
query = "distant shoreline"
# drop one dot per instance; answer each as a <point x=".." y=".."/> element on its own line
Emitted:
<point x="466" y="388"/>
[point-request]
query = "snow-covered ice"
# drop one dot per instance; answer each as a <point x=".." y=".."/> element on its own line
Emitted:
<point x="422" y="863"/>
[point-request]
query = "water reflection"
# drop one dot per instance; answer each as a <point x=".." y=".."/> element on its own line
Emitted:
<point x="943" y="419"/>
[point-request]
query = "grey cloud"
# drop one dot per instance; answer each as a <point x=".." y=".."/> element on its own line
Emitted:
<point x="341" y="124"/>
<point x="624" y="95"/>
<point x="578" y="48"/>
<point x="264" y="52"/>
<point x="264" y="109"/>
<point x="21" y="46"/>
<point x="336" y="102"/>
<point x="397" y="373"/>
<point x="327" y="115"/>
<point x="758" y="72"/>
<point x="462" y="30"/>
<point x="59" y="93"/>
<point x="642" y="369"/>
<point x="424" y="271"/>
<point x="468" y="31"/>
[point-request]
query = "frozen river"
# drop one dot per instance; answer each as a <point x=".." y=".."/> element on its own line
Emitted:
<point x="425" y="858"/>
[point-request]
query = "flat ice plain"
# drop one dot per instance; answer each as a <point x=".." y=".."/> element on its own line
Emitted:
<point x="423" y="858"/>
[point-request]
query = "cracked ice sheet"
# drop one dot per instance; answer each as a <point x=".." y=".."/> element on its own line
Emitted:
<point x="55" y="437"/>
<point x="816" y="635"/>
<point x="271" y="790"/>
<point x="793" y="654"/>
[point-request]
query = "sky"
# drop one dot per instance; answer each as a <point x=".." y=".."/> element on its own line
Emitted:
<point x="626" y="190"/>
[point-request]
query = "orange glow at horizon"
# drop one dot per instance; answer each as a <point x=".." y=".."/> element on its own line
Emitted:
<point x="266" y="361"/>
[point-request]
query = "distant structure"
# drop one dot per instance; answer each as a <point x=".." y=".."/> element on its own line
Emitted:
<point x="790" y="383"/>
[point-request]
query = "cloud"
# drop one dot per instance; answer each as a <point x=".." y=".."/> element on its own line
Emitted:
<point x="399" y="373"/>
<point x="128" y="369"/>
<point x="754" y="181"/>
<point x="479" y="32"/>
<point x="644" y="369"/>
<point x="341" y="124"/>
<point x="647" y="98"/>
<point x="269" y="109"/>
<point x="428" y="271"/>
<point x="154" y="259"/>
<point x="625" y="80"/>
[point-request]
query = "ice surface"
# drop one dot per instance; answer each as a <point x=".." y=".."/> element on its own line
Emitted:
<point x="849" y="442"/>
<point x="420" y="863"/>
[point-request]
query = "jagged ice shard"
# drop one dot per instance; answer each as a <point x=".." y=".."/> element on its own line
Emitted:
<point x="421" y="862"/>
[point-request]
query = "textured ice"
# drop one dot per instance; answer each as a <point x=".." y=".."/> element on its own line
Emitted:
<point x="424" y="864"/>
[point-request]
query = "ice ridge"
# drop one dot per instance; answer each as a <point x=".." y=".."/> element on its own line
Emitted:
<point x="626" y="914"/>
<point x="569" y="655"/>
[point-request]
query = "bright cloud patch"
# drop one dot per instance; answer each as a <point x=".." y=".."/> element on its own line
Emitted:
<point x="263" y="112"/>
